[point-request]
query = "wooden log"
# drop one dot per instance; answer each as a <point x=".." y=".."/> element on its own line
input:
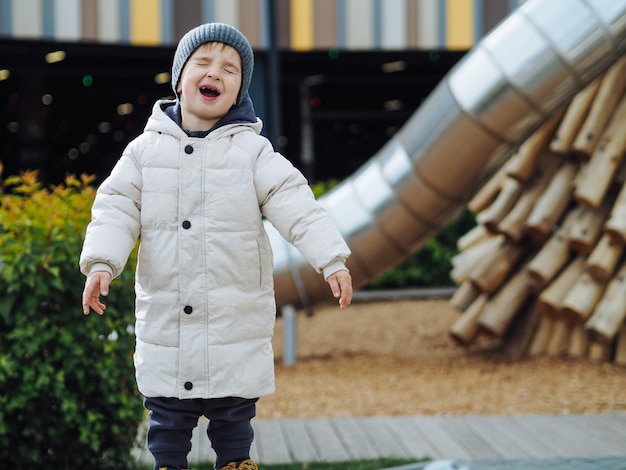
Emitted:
<point x="609" y="314"/>
<point x="573" y="119"/>
<point x="523" y="164"/>
<point x="508" y="195"/>
<point x="476" y="234"/>
<point x="542" y="336"/>
<point x="471" y="260"/>
<point x="586" y="227"/>
<point x="490" y="275"/>
<point x="615" y="226"/>
<point x="582" y="298"/>
<point x="603" y="260"/>
<point x="553" y="255"/>
<point x="578" y="341"/>
<point x="559" y="337"/>
<point x="551" y="204"/>
<point x="513" y="223"/>
<point x="599" y="352"/>
<point x="620" y="347"/>
<point x="595" y="181"/>
<point x="466" y="328"/>
<point x="464" y="295"/>
<point x="488" y="192"/>
<point x="549" y="301"/>
<point x="521" y="332"/>
<point x="611" y="89"/>
<point x="502" y="307"/>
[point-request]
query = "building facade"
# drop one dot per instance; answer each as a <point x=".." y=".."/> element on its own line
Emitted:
<point x="333" y="79"/>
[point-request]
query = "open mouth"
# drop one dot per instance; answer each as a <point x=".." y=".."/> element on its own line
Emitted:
<point x="209" y="91"/>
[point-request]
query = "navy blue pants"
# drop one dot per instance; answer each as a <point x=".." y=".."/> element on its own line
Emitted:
<point x="172" y="422"/>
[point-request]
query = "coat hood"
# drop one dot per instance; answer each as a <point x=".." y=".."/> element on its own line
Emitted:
<point x="166" y="118"/>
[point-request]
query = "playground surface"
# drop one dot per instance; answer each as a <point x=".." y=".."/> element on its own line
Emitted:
<point x="395" y="358"/>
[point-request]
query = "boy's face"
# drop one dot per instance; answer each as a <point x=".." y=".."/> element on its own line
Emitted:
<point x="209" y="85"/>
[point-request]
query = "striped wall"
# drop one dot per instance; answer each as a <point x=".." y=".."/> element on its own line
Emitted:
<point x="301" y="24"/>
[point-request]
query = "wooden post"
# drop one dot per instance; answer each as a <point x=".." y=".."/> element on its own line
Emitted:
<point x="550" y="259"/>
<point x="464" y="295"/>
<point x="611" y="89"/>
<point x="466" y="328"/>
<point x="542" y="336"/>
<point x="488" y="192"/>
<point x="508" y="195"/>
<point x="490" y="275"/>
<point x="559" y="338"/>
<point x="603" y="260"/>
<point x="512" y="225"/>
<point x="522" y="331"/>
<point x="609" y="314"/>
<point x="599" y="352"/>
<point x="549" y="302"/>
<point x="573" y="119"/>
<point x="552" y="203"/>
<point x="595" y="181"/>
<point x="578" y="341"/>
<point x="615" y="226"/>
<point x="473" y="258"/>
<point x="501" y="309"/>
<point x="620" y="347"/>
<point x="477" y="234"/>
<point x="586" y="227"/>
<point x="582" y="298"/>
<point x="523" y="164"/>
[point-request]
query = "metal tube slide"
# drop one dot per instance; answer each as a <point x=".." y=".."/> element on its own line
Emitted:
<point x="531" y="65"/>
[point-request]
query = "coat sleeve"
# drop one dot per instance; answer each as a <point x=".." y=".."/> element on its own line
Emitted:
<point x="115" y="218"/>
<point x="287" y="201"/>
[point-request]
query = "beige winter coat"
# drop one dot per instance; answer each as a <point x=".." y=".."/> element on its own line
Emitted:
<point x="205" y="306"/>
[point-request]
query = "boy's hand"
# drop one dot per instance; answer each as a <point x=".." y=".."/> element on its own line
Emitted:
<point x="97" y="284"/>
<point x="341" y="285"/>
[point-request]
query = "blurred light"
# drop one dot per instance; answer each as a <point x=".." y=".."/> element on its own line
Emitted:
<point x="46" y="99"/>
<point x="13" y="127"/>
<point x="56" y="56"/>
<point x="84" y="147"/>
<point x="316" y="101"/>
<point x="433" y="55"/>
<point x="339" y="127"/>
<point x="283" y="141"/>
<point x="14" y="98"/>
<point x="333" y="53"/>
<point x="162" y="78"/>
<point x="118" y="136"/>
<point x="124" y="109"/>
<point x="393" y="105"/>
<point x="142" y="99"/>
<point x="397" y="66"/>
<point x="104" y="127"/>
<point x="73" y="153"/>
<point x="87" y="81"/>
<point x="4" y="74"/>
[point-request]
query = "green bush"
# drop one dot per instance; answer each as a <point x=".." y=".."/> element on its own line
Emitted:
<point x="68" y="398"/>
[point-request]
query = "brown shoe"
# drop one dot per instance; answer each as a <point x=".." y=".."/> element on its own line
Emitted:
<point x="247" y="464"/>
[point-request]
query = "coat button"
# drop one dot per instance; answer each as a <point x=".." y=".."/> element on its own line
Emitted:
<point x="186" y="224"/>
<point x="188" y="385"/>
<point x="188" y="309"/>
<point x="188" y="149"/>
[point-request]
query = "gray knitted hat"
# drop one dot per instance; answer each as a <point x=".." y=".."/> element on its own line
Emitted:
<point x="214" y="32"/>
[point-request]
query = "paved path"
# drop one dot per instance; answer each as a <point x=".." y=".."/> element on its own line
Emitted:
<point x="485" y="440"/>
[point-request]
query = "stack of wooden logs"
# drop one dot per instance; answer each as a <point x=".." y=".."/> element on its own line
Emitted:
<point x="544" y="269"/>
